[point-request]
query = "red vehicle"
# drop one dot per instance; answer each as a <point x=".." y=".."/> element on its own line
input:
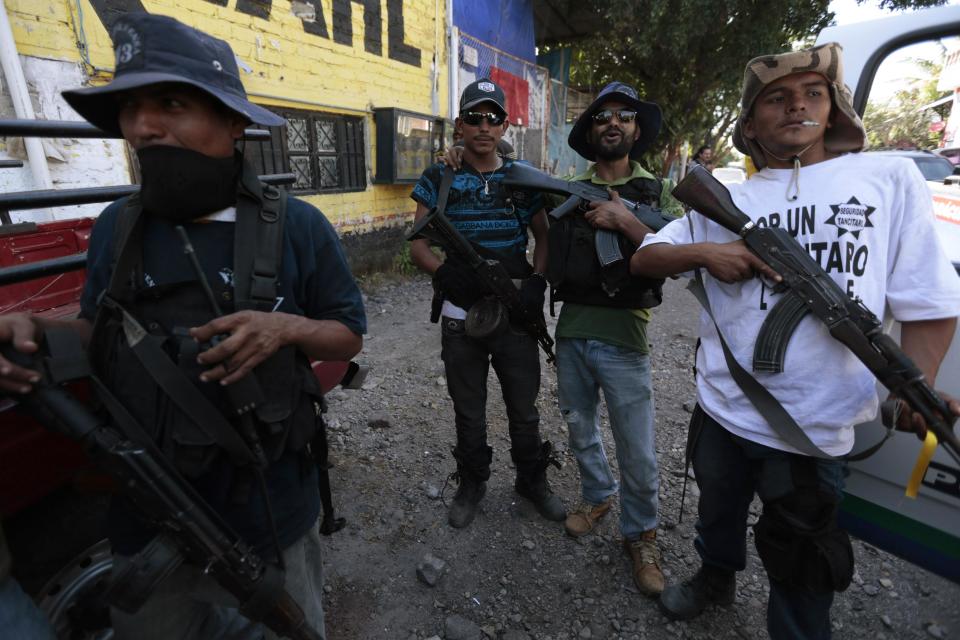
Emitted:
<point x="34" y="460"/>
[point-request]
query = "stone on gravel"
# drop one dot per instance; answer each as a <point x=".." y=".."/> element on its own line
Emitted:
<point x="430" y="570"/>
<point x="512" y="634"/>
<point x="886" y="583"/>
<point x="379" y="421"/>
<point x="936" y="631"/>
<point x="459" y="628"/>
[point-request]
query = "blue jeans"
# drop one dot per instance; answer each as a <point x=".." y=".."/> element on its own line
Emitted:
<point x="584" y="367"/>
<point x="729" y="471"/>
<point x="19" y="617"/>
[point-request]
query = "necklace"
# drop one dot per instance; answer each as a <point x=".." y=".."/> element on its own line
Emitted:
<point x="486" y="179"/>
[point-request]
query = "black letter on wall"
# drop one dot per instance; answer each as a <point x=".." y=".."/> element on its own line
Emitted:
<point x="255" y="8"/>
<point x="397" y="49"/>
<point x="372" y="24"/>
<point x="109" y="10"/>
<point x="319" y="25"/>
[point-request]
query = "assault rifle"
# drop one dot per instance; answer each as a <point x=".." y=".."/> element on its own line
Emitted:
<point x="807" y="288"/>
<point x="435" y="227"/>
<point x="191" y="530"/>
<point x="579" y="194"/>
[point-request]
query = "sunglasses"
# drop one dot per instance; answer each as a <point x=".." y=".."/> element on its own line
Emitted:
<point x="623" y="115"/>
<point x="474" y="118"/>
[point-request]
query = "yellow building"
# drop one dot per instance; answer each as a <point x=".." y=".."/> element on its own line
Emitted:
<point x="328" y="66"/>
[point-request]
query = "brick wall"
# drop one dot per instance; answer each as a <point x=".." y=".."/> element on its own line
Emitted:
<point x="331" y="56"/>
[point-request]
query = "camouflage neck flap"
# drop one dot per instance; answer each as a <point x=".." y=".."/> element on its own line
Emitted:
<point x="847" y="133"/>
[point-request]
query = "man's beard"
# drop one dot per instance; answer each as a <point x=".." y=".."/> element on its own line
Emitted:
<point x="610" y="152"/>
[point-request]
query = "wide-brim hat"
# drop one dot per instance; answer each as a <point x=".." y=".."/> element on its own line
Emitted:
<point x="152" y="49"/>
<point x="846" y="134"/>
<point x="649" y="119"/>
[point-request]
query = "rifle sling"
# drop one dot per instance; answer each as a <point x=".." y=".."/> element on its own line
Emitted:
<point x="763" y="401"/>
<point x="149" y="352"/>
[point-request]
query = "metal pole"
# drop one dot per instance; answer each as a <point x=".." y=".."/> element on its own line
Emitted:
<point x="13" y="72"/>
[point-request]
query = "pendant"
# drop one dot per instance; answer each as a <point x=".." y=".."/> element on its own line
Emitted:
<point x="486" y="188"/>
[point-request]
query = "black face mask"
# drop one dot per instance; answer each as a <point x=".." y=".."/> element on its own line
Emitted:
<point x="181" y="184"/>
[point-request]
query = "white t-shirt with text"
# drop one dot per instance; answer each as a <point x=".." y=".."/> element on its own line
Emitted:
<point x="868" y="221"/>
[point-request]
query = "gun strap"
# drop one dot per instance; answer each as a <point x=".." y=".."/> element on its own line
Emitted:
<point x="444" y="193"/>
<point x="257" y="243"/>
<point x="148" y="350"/>
<point x="762" y="400"/>
<point x="436" y="304"/>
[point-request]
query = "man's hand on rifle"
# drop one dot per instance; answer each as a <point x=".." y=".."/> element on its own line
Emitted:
<point x="732" y="262"/>
<point x="609" y="214"/>
<point x="20" y="330"/>
<point x="253" y="336"/>
<point x="459" y="284"/>
<point x="532" y="293"/>
<point x="912" y="422"/>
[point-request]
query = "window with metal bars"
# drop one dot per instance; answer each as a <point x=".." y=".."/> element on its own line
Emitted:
<point x="324" y="151"/>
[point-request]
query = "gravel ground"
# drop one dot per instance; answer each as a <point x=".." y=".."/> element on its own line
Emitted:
<point x="511" y="575"/>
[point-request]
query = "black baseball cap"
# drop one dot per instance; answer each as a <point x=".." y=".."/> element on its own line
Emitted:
<point x="152" y="49"/>
<point x="483" y="90"/>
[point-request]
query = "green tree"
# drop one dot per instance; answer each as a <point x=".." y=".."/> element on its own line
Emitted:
<point x="688" y="56"/>
<point x="898" y="121"/>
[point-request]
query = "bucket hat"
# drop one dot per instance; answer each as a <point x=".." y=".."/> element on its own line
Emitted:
<point x="846" y="133"/>
<point x="151" y="49"/>
<point x="648" y="119"/>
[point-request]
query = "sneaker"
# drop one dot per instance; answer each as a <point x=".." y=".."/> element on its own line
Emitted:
<point x="710" y="585"/>
<point x="584" y="518"/>
<point x="646" y="563"/>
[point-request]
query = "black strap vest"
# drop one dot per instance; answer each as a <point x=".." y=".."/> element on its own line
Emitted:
<point x="286" y="420"/>
<point x="575" y="273"/>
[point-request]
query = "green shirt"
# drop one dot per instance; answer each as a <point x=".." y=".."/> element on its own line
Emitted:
<point x="625" y="328"/>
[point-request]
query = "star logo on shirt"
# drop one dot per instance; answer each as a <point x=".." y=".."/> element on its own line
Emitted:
<point x="851" y="216"/>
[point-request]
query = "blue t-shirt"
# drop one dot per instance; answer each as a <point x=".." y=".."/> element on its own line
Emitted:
<point x="485" y="212"/>
<point x="314" y="281"/>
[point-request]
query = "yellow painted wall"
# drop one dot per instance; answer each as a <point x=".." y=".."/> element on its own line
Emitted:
<point x="289" y="67"/>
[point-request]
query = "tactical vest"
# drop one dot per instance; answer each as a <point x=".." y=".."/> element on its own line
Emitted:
<point x="574" y="271"/>
<point x="135" y="323"/>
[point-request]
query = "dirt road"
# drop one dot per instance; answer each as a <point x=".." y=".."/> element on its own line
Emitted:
<point x="510" y="574"/>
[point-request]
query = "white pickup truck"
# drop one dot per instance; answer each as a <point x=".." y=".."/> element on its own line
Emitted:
<point x="925" y="530"/>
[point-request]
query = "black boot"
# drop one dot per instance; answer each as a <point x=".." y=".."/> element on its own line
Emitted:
<point x="471" y="487"/>
<point x="532" y="482"/>
<point x="709" y="585"/>
<point x="465" y="502"/>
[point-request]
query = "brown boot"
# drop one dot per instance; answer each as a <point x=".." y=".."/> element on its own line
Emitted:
<point x="646" y="563"/>
<point x="585" y="518"/>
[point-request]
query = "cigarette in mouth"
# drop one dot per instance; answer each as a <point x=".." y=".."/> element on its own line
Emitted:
<point x="810" y="123"/>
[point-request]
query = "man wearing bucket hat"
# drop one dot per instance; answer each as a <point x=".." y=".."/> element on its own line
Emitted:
<point x="496" y="220"/>
<point x="798" y="126"/>
<point x="276" y="268"/>
<point x="601" y="332"/>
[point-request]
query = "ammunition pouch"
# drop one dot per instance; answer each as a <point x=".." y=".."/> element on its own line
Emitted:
<point x="285" y="420"/>
<point x="800" y="544"/>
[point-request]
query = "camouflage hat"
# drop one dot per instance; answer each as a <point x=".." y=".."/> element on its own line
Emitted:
<point x="847" y="133"/>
